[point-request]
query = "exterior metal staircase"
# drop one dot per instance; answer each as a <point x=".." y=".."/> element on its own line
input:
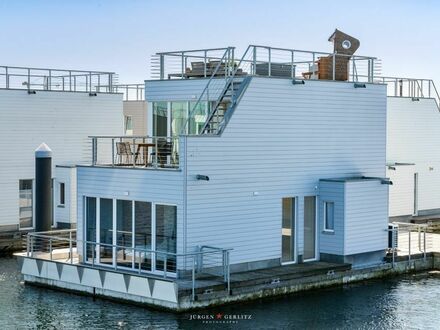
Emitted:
<point x="225" y="105"/>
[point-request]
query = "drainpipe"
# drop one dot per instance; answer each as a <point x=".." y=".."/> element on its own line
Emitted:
<point x="43" y="188"/>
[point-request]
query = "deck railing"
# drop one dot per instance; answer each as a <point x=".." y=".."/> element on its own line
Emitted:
<point x="151" y="152"/>
<point x="63" y="246"/>
<point x="33" y="79"/>
<point x="131" y="92"/>
<point x="408" y="240"/>
<point x="265" y="61"/>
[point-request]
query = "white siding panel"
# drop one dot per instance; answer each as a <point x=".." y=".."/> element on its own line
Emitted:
<point x="401" y="192"/>
<point x="280" y="141"/>
<point x="366" y="221"/>
<point x="63" y="120"/>
<point x="414" y="137"/>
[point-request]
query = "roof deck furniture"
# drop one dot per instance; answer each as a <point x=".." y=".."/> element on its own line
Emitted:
<point x="276" y="70"/>
<point x="122" y="153"/>
<point x="199" y="69"/>
<point x="142" y="150"/>
<point x="164" y="150"/>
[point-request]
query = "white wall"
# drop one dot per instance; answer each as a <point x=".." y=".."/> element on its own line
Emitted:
<point x="138" y="112"/>
<point x="401" y="192"/>
<point x="414" y="137"/>
<point x="63" y="120"/>
<point x="280" y="141"/>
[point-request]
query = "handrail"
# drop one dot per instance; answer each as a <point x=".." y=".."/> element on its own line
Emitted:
<point x="226" y="55"/>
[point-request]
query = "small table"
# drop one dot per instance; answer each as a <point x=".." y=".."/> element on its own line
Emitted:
<point x="144" y="147"/>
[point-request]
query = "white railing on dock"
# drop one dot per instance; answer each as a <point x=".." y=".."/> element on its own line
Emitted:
<point x="410" y="240"/>
<point x="63" y="246"/>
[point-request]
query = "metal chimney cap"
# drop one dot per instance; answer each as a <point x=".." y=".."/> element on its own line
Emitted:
<point x="43" y="151"/>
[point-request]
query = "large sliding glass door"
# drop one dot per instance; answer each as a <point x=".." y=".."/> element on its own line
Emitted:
<point x="128" y="232"/>
<point x="309" y="228"/>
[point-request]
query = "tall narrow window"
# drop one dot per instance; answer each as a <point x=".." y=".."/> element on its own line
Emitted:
<point x="329" y="216"/>
<point x="25" y="204"/>
<point x="106" y="230"/>
<point x="179" y="116"/>
<point x="128" y="125"/>
<point x="90" y="229"/>
<point x="124" y="232"/>
<point x="309" y="228"/>
<point x="166" y="228"/>
<point x="198" y="113"/>
<point x="288" y="230"/>
<point x="62" y="194"/>
<point x="143" y="234"/>
<point x="160" y="119"/>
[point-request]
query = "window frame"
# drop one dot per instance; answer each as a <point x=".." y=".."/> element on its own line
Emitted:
<point x="328" y="230"/>
<point x="61" y="202"/>
<point x="32" y="205"/>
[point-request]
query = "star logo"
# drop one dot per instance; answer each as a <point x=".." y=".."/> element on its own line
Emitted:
<point x="218" y="316"/>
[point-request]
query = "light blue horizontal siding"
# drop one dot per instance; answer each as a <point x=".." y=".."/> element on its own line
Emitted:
<point x="366" y="220"/>
<point x="332" y="243"/>
<point x="280" y="141"/>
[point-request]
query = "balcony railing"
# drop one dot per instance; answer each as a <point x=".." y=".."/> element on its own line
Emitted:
<point x="32" y="79"/>
<point x="131" y="92"/>
<point x="63" y="246"/>
<point x="150" y="152"/>
<point x="266" y="62"/>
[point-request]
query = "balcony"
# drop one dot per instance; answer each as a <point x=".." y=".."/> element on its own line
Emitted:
<point x="33" y="79"/>
<point x="148" y="152"/>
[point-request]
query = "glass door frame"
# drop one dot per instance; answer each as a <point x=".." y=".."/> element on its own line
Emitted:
<point x="295" y="232"/>
<point x="114" y="234"/>
<point x="315" y="258"/>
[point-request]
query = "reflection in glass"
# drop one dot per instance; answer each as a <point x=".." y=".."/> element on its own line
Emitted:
<point x="124" y="232"/>
<point x="106" y="230"/>
<point x="90" y="228"/>
<point x="166" y="228"/>
<point x="143" y="231"/>
<point x="288" y="230"/>
<point x="179" y="115"/>
<point x="309" y="227"/>
<point x="198" y="117"/>
<point x="160" y="119"/>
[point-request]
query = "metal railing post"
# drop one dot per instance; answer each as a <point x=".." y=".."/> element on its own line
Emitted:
<point x="94" y="150"/>
<point x="50" y="248"/>
<point x="292" y="70"/>
<point x="32" y="246"/>
<point x="228" y="271"/>
<point x="7" y="77"/>
<point x="254" y="60"/>
<point x="424" y="244"/>
<point x="29" y="79"/>
<point x="194" y="278"/>
<point x="140" y="261"/>
<point x="49" y="81"/>
<point x="71" y="247"/>
<point x="165" y="266"/>
<point x="269" y="68"/>
<point x="113" y="152"/>
<point x="409" y="245"/>
<point x="27" y="244"/>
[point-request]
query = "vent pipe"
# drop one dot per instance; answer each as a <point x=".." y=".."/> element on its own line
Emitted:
<point x="43" y="188"/>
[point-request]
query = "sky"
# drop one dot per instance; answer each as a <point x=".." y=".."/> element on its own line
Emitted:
<point x="121" y="36"/>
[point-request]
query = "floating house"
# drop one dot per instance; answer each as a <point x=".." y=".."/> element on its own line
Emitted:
<point x="273" y="160"/>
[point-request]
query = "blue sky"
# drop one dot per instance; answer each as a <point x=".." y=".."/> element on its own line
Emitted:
<point x="121" y="35"/>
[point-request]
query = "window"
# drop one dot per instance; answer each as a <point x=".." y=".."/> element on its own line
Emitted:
<point x="329" y="216"/>
<point x="128" y="125"/>
<point x="160" y="119"/>
<point x="198" y="117"/>
<point x="288" y="230"/>
<point x="179" y="115"/>
<point x="61" y="194"/>
<point x="25" y="203"/>
<point x="166" y="228"/>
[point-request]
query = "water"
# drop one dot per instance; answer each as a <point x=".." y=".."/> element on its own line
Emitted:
<point x="410" y="302"/>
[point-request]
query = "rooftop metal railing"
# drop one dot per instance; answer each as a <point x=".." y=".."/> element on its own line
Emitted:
<point x="150" y="152"/>
<point x="410" y="87"/>
<point x="63" y="246"/>
<point x="265" y="61"/>
<point x="187" y="63"/>
<point x="131" y="92"/>
<point x="32" y="79"/>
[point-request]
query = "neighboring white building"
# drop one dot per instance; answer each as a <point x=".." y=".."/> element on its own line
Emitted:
<point x="58" y="107"/>
<point x="413" y="158"/>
